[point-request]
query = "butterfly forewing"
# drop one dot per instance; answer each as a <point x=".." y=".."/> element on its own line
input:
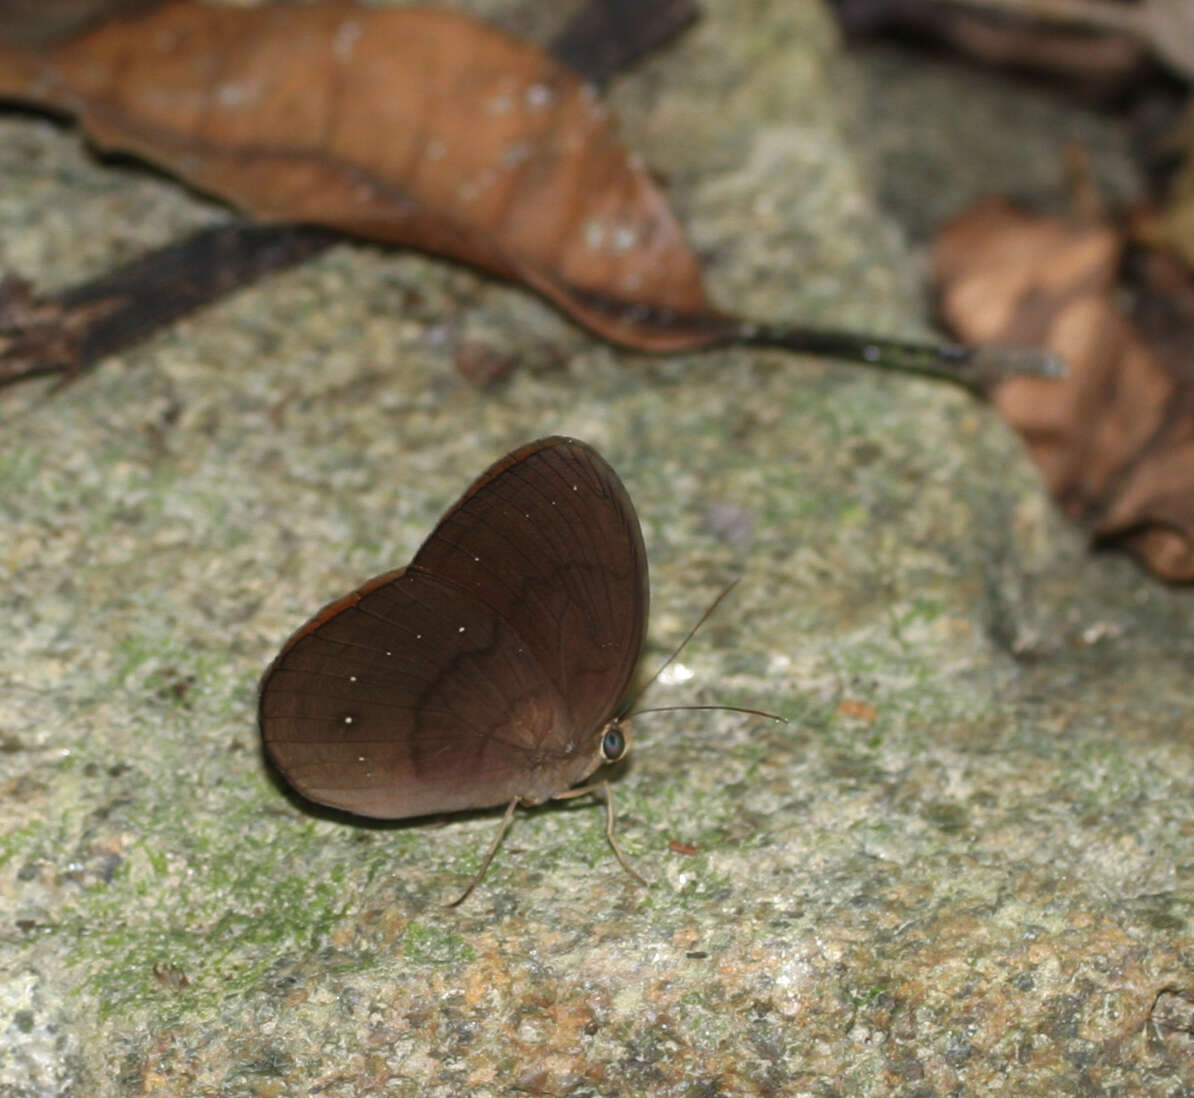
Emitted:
<point x="484" y="671"/>
<point x="549" y="540"/>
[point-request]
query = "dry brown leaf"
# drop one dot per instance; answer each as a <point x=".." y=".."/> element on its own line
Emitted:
<point x="426" y="128"/>
<point x="423" y="128"/>
<point x="413" y="126"/>
<point x="1115" y="438"/>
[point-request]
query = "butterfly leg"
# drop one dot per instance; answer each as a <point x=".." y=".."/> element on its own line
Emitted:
<point x="507" y="820"/>
<point x="604" y="789"/>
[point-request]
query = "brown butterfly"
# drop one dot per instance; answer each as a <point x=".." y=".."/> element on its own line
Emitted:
<point x="487" y="672"/>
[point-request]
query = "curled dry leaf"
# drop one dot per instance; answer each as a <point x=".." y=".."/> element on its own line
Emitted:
<point x="413" y="126"/>
<point x="1114" y="439"/>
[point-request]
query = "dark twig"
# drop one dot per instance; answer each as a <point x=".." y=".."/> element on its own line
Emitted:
<point x="70" y="331"/>
<point x="607" y="36"/>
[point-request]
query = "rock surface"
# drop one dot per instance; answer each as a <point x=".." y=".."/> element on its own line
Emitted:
<point x="965" y="867"/>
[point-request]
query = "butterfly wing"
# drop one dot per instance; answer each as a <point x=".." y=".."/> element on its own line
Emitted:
<point x="549" y="540"/>
<point x="482" y="672"/>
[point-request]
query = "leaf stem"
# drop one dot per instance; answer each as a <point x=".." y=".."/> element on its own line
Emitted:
<point x="974" y="367"/>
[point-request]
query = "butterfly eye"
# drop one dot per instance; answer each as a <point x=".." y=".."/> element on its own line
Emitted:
<point x="613" y="744"/>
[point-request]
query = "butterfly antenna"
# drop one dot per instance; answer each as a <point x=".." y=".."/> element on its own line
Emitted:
<point x="705" y="708"/>
<point x="691" y="633"/>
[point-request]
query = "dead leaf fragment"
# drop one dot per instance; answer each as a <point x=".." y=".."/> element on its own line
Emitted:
<point x="481" y="365"/>
<point x="1092" y="60"/>
<point x="1114" y="440"/>
<point x="412" y="126"/>
<point x="170" y="976"/>
<point x="1165" y="25"/>
<point x="1096" y="44"/>
<point x="855" y="710"/>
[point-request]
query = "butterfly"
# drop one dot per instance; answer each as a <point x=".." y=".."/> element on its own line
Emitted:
<point x="489" y="671"/>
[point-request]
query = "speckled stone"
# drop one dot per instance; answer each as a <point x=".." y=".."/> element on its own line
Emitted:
<point x="964" y="868"/>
